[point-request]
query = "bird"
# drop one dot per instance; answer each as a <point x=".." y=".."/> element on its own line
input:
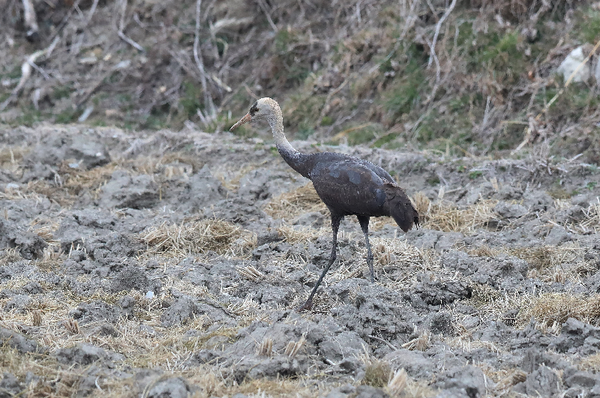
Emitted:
<point x="346" y="184"/>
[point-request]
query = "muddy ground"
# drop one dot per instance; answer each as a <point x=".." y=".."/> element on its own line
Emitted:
<point x="170" y="264"/>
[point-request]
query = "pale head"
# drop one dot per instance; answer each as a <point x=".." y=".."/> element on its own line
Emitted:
<point x="263" y="109"/>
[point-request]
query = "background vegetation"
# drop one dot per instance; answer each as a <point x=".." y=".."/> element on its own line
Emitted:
<point x="472" y="77"/>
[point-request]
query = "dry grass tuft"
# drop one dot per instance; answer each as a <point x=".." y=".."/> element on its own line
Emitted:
<point x="420" y="343"/>
<point x="544" y="257"/>
<point x="303" y="234"/>
<point x="11" y="156"/>
<point x="422" y="203"/>
<point x="200" y="236"/>
<point x="397" y="383"/>
<point x="553" y="309"/>
<point x="402" y="386"/>
<point x="72" y="326"/>
<point x="591" y="223"/>
<point x="377" y="373"/>
<point x="395" y="251"/>
<point x="290" y="205"/>
<point x="505" y="379"/>
<point x="591" y="363"/>
<point x="251" y="273"/>
<point x="447" y="217"/>
<point x="36" y="318"/>
<point x="292" y="348"/>
<point x="265" y="348"/>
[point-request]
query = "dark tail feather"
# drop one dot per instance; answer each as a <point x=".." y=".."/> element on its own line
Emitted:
<point x="400" y="207"/>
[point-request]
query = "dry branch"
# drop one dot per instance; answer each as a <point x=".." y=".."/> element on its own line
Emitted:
<point x="528" y="133"/>
<point x="433" y="54"/>
<point x="26" y="69"/>
<point x="30" y="18"/>
<point x="92" y="11"/>
<point x="122" y="35"/>
<point x="410" y="19"/>
<point x="64" y="21"/>
<point x="263" y="7"/>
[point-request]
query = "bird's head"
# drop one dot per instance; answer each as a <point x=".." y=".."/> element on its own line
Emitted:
<point x="263" y="109"/>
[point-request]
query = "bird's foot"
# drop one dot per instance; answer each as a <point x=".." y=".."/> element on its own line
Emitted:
<point x="372" y="277"/>
<point x="306" y="306"/>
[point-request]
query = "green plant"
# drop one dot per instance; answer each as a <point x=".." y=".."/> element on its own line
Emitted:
<point x="326" y="121"/>
<point x="475" y="174"/>
<point x="433" y="180"/>
<point x="405" y="91"/>
<point x="506" y="50"/>
<point x="589" y="26"/>
<point x="60" y="92"/>
<point x="191" y="99"/>
<point x="66" y="116"/>
<point x="363" y="134"/>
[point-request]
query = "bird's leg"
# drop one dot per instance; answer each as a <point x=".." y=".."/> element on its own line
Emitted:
<point x="364" y="225"/>
<point x="335" y="226"/>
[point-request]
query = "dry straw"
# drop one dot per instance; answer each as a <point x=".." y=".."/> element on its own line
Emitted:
<point x="447" y="217"/>
<point x="290" y="205"/>
<point x="552" y="309"/>
<point x="199" y="236"/>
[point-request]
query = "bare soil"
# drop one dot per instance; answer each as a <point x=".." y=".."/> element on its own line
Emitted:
<point x="170" y="264"/>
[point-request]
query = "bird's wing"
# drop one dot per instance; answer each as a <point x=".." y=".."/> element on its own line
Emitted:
<point x="384" y="175"/>
<point x="349" y="187"/>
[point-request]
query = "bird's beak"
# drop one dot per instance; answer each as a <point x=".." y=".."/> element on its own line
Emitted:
<point x="243" y="120"/>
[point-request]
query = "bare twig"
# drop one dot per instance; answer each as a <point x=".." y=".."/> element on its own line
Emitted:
<point x="64" y="21"/>
<point x="42" y="72"/>
<point x="30" y="18"/>
<point x="528" y="133"/>
<point x="393" y="347"/>
<point x="131" y="42"/>
<point x="263" y="7"/>
<point x="438" y="26"/>
<point x="438" y="69"/>
<point x="209" y="106"/>
<point x="93" y="88"/>
<point x="122" y="35"/>
<point x="92" y="11"/>
<point x="330" y="96"/>
<point x="26" y="69"/>
<point x="409" y="22"/>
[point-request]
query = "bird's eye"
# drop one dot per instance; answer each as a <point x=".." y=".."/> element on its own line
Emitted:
<point x="253" y="110"/>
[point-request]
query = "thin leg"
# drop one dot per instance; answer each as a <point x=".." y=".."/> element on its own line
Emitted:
<point x="364" y="225"/>
<point x="335" y="226"/>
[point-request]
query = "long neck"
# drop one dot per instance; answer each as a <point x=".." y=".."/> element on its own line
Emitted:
<point x="295" y="159"/>
<point x="276" y="123"/>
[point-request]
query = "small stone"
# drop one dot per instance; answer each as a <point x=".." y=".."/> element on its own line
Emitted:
<point x="506" y="210"/>
<point x="175" y="387"/>
<point x="570" y="65"/>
